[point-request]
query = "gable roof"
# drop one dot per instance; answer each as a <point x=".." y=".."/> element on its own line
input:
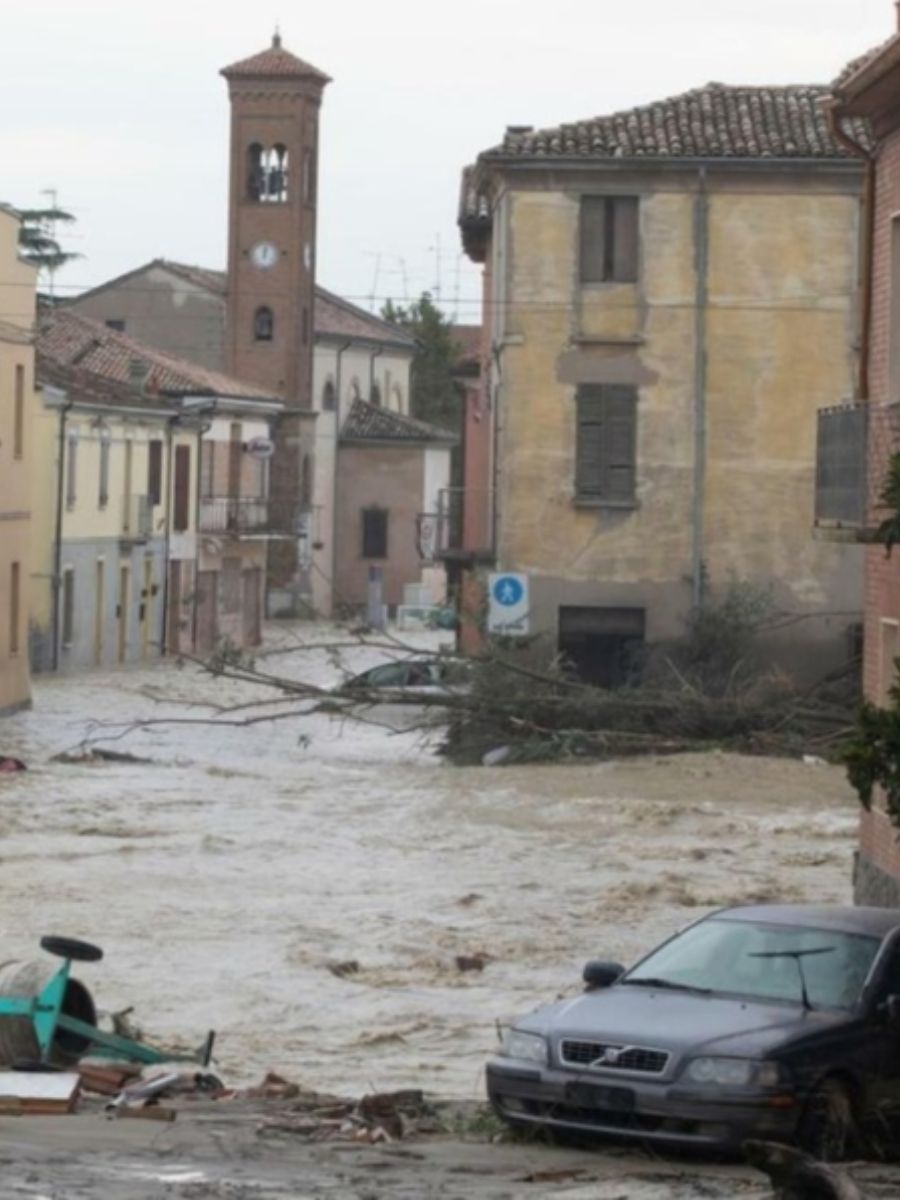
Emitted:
<point x="274" y="62"/>
<point x="333" y="316"/>
<point x="66" y="339"/>
<point x="857" y="65"/>
<point x="368" y="423"/>
<point x="716" y="121"/>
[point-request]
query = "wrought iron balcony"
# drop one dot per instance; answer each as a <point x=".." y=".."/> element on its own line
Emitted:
<point x="461" y="529"/>
<point x="841" y="476"/>
<point x="137" y="518"/>
<point x="232" y="514"/>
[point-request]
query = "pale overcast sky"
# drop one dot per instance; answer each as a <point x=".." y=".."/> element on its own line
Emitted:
<point x="119" y="106"/>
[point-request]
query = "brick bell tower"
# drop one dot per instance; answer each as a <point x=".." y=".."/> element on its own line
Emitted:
<point x="275" y="101"/>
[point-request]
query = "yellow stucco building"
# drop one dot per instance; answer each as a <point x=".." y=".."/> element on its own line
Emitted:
<point x="671" y="295"/>
<point x="17" y="308"/>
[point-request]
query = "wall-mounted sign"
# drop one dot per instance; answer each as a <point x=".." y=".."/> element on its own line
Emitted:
<point x="260" y="447"/>
<point x="508" y="604"/>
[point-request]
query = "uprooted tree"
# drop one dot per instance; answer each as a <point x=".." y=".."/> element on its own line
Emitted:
<point x="519" y="702"/>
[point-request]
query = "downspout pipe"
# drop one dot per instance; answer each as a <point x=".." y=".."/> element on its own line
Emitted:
<point x="701" y="300"/>
<point x="167" y="500"/>
<point x="865" y="323"/>
<point x="375" y="354"/>
<point x="65" y="408"/>
<point x="338" y="379"/>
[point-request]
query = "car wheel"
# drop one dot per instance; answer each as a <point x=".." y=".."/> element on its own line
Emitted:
<point x="827" y="1128"/>
<point x="65" y="947"/>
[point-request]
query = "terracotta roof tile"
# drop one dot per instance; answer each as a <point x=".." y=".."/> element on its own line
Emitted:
<point x="715" y="121"/>
<point x="273" y="62"/>
<point x="368" y="423"/>
<point x="67" y="339"/>
<point x="336" y="317"/>
<point x="863" y="60"/>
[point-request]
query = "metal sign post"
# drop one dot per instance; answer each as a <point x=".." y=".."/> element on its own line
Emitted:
<point x="509" y="604"/>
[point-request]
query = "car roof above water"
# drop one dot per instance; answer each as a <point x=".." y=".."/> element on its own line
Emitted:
<point x="876" y="922"/>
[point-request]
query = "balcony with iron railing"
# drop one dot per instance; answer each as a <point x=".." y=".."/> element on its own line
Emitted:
<point x="137" y="518"/>
<point x="841" y="472"/>
<point x="462" y="529"/>
<point x="251" y="516"/>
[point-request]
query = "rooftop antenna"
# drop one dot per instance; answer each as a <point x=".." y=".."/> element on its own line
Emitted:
<point x="437" y="265"/>
<point x="51" y="230"/>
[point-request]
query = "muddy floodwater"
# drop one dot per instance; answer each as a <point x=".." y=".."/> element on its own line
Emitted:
<point x="227" y="876"/>
<point x="232" y="878"/>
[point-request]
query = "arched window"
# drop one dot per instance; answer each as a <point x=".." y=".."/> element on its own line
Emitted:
<point x="255" y="173"/>
<point x="267" y="173"/>
<point x="375" y="395"/>
<point x="328" y="397"/>
<point x="263" y="324"/>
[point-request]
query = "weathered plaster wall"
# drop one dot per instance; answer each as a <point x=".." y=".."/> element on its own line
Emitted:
<point x="390" y="477"/>
<point x="165" y="311"/>
<point x="779" y="333"/>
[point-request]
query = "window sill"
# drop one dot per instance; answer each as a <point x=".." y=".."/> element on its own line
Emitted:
<point x="600" y="502"/>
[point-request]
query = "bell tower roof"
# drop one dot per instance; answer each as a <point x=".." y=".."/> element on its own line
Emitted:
<point x="274" y="62"/>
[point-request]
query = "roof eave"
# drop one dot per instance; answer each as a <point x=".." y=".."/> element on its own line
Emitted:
<point x="654" y="161"/>
<point x="853" y="96"/>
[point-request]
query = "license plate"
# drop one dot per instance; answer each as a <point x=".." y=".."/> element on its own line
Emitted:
<point x="591" y="1095"/>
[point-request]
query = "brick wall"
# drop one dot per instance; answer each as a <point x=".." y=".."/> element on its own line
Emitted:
<point x="878" y="872"/>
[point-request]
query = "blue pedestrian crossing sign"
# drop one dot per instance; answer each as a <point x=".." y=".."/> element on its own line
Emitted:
<point x="508" y="604"/>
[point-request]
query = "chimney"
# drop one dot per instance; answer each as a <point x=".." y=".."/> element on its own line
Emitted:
<point x="138" y="370"/>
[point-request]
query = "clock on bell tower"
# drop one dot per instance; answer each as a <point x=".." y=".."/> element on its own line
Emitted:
<point x="275" y="100"/>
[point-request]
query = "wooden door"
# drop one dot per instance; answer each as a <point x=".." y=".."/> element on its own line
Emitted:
<point x="251" y="606"/>
<point x="207" y="610"/>
<point x="124" y="602"/>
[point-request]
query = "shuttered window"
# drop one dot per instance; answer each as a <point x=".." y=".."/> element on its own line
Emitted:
<point x="606" y="440"/>
<point x="182" y="506"/>
<point x="154" y="471"/>
<point x="609" y="239"/>
<point x="374" y="533"/>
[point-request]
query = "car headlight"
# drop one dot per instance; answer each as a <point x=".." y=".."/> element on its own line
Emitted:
<point x="530" y="1047"/>
<point x="733" y="1072"/>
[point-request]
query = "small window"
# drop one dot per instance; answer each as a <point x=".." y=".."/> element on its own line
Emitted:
<point x="309" y="176"/>
<point x="15" y="605"/>
<point x="154" y="471"/>
<point x="103" y="488"/>
<point x="605" y="447"/>
<point x="609" y="239"/>
<point x="374" y="533"/>
<point x="71" y="470"/>
<point x="68" y="606"/>
<point x="263" y="324"/>
<point x="19" y="413"/>
<point x="115" y="323"/>
<point x="181" y="517"/>
<point x="329" y="399"/>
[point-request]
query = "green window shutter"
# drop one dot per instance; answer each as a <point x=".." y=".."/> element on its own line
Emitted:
<point x="606" y="442"/>
<point x="592" y="239"/>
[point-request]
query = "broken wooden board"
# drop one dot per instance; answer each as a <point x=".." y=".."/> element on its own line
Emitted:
<point x="38" y="1093"/>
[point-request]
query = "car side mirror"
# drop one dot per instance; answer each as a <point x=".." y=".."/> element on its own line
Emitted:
<point x="891" y="1010"/>
<point x="602" y="974"/>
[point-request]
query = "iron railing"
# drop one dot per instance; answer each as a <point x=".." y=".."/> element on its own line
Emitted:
<point x="841" y="466"/>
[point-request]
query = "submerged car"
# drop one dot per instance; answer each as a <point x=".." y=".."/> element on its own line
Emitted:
<point x="774" y="1022"/>
<point x="422" y="676"/>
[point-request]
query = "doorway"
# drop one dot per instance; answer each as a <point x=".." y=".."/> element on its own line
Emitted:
<point x="122" y="611"/>
<point x="603" y="645"/>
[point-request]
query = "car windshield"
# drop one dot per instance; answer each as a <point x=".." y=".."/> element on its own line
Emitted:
<point x="747" y="958"/>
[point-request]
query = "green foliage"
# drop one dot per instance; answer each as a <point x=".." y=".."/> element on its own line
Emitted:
<point x="872" y="755"/>
<point x="888" y="532"/>
<point x="717" y="654"/>
<point x="436" y="395"/>
<point x="37" y="240"/>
